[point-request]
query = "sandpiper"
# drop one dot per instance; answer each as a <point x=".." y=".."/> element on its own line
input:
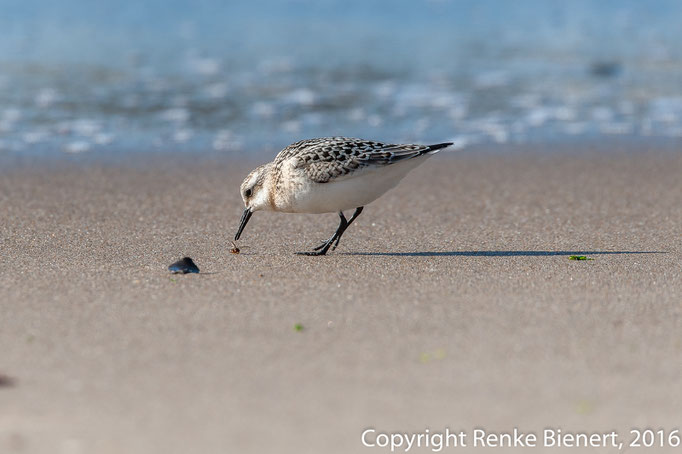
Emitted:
<point x="328" y="175"/>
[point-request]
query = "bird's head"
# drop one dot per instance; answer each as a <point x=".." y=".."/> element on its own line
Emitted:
<point x="255" y="194"/>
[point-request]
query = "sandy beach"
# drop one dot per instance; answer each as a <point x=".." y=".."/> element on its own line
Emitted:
<point x="451" y="302"/>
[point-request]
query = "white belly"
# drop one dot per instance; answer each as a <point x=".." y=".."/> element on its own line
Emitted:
<point x="350" y="192"/>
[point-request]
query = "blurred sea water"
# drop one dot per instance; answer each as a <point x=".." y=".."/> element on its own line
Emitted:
<point x="234" y="76"/>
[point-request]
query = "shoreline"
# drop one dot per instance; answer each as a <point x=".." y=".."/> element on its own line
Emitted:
<point x="168" y="156"/>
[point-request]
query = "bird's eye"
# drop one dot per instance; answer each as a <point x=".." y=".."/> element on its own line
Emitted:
<point x="247" y="193"/>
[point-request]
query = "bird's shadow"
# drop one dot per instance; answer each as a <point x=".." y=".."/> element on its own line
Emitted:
<point x="495" y="253"/>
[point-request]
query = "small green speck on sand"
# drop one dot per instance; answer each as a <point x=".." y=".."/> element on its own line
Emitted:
<point x="298" y="327"/>
<point x="584" y="407"/>
<point x="579" y="257"/>
<point x="427" y="357"/>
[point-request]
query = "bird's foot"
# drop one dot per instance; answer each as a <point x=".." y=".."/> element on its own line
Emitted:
<point x="327" y="243"/>
<point x="313" y="253"/>
<point x="321" y="249"/>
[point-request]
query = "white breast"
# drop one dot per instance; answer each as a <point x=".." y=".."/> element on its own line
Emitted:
<point x="344" y="193"/>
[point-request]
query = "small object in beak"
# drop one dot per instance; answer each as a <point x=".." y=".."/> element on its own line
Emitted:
<point x="184" y="266"/>
<point x="235" y="249"/>
<point x="242" y="223"/>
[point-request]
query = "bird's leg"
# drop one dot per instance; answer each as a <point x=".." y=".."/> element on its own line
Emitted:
<point x="339" y="231"/>
<point x="358" y="210"/>
<point x="324" y="247"/>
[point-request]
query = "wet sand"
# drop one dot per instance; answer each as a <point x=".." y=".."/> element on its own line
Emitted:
<point x="451" y="302"/>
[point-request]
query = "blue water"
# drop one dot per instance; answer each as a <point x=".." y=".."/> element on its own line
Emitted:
<point x="80" y="76"/>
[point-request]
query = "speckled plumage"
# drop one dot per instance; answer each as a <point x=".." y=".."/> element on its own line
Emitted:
<point x="330" y="174"/>
<point x="328" y="158"/>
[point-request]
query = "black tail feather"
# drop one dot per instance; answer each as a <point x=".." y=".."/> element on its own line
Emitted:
<point x="438" y="146"/>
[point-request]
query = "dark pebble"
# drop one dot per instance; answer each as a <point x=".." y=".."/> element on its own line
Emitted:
<point x="184" y="266"/>
<point x="5" y="381"/>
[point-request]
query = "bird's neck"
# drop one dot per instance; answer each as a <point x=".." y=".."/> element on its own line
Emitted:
<point x="278" y="184"/>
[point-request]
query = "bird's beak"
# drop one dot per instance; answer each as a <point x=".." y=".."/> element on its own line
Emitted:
<point x="245" y="218"/>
